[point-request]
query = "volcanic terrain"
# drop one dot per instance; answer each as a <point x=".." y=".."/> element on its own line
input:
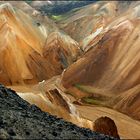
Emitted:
<point x="80" y="66"/>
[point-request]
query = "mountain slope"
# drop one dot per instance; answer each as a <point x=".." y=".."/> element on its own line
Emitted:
<point x="25" y="121"/>
<point x="129" y="102"/>
<point x="60" y="48"/>
<point x="89" y="21"/>
<point x="45" y="24"/>
<point x="22" y="42"/>
<point x="17" y="41"/>
<point x="86" y="20"/>
<point x="110" y="67"/>
<point x="110" y="64"/>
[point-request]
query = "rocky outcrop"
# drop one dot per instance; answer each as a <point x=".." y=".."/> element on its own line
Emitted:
<point x="20" y="120"/>
<point x="58" y="99"/>
<point x="106" y="126"/>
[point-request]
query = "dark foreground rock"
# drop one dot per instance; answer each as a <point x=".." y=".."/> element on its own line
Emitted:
<point x="107" y="126"/>
<point x="20" y="120"/>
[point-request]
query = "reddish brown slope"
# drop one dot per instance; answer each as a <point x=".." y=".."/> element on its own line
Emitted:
<point x="18" y="40"/>
<point x="113" y="63"/>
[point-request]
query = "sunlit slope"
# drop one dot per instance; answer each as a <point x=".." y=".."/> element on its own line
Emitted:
<point x="19" y="39"/>
<point x="92" y="18"/>
<point x="22" y="5"/>
<point x="113" y="63"/>
<point x="86" y="20"/>
<point x="21" y="48"/>
<point x="129" y="102"/>
<point x="46" y="25"/>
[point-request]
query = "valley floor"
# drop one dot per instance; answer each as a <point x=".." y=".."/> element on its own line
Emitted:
<point x="128" y="128"/>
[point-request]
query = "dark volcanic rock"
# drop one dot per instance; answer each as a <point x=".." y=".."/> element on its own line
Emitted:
<point x="20" y="120"/>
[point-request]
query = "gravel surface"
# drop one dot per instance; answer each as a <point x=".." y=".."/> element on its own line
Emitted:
<point x="20" y="120"/>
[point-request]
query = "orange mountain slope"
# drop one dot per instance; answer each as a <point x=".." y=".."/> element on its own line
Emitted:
<point x="111" y="66"/>
<point x="89" y="21"/>
<point x="61" y="48"/>
<point x="21" y="48"/>
<point x="111" y="63"/>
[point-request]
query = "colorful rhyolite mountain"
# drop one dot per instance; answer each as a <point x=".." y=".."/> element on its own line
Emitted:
<point x="23" y="48"/>
<point x="106" y="74"/>
<point x="111" y="63"/>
